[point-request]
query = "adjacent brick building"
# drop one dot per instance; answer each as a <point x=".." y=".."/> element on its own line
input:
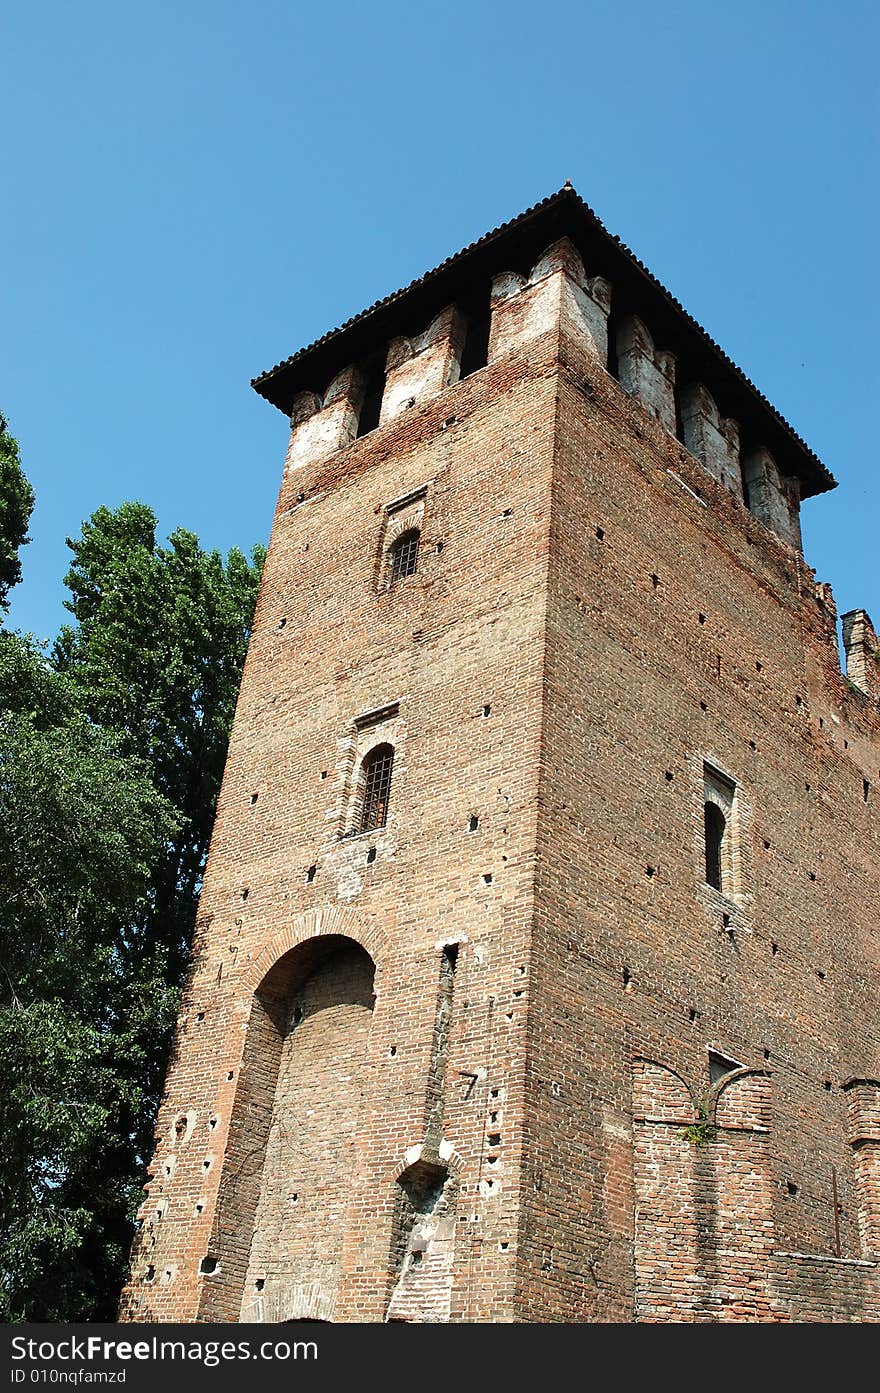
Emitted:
<point x="535" y="976"/>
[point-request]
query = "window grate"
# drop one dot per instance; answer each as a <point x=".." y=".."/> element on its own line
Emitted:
<point x="377" y="787"/>
<point x="404" y="555"/>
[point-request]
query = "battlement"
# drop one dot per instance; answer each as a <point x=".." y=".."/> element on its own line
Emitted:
<point x="862" y="649"/>
<point x="554" y="267"/>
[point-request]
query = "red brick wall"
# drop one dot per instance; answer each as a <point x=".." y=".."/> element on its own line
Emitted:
<point x="681" y="631"/>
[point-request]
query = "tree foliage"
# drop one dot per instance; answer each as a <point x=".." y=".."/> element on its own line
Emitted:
<point x="83" y="988"/>
<point x="156" y="653"/>
<point x="16" y="506"/>
<point x="111" y="754"/>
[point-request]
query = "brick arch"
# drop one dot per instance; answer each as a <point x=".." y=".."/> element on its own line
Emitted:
<point x="370" y="743"/>
<point x="446" y="1157"/>
<point x="661" y="1092"/>
<point x="410" y="520"/>
<point x="859" y="1083"/>
<point x="317" y="923"/>
<point x="741" y="1099"/>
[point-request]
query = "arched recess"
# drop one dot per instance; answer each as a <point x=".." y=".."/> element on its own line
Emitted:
<point x="282" y="1204"/>
<point x="741" y="1100"/>
<point x="423" y="1236"/>
<point x="316" y="923"/>
<point x="660" y="1094"/>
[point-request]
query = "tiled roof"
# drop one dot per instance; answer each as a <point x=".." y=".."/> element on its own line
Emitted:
<point x="515" y="246"/>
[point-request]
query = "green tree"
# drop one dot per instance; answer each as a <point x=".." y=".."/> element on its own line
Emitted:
<point x="16" y="506"/>
<point x="84" y="986"/>
<point x="111" y="755"/>
<point x="156" y="654"/>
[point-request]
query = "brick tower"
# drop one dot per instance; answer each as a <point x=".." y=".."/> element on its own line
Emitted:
<point x="535" y="975"/>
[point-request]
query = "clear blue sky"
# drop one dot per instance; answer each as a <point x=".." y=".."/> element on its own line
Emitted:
<point x="192" y="191"/>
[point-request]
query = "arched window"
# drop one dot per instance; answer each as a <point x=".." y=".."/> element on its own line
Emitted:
<point x="376" y="772"/>
<point x="715" y="827"/>
<point x="403" y="556"/>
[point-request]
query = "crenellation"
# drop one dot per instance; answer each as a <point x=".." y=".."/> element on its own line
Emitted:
<point x="648" y="374"/>
<point x="558" y="293"/>
<point x="862" y="649"/>
<point x="585" y="300"/>
<point x="320" y="427"/>
<point x="773" y="500"/>
<point x="424" y="366"/>
<point x="519" y="312"/>
<point x="712" y="439"/>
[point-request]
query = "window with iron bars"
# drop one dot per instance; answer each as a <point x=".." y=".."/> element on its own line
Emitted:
<point x="376" y="770"/>
<point x="404" y="555"/>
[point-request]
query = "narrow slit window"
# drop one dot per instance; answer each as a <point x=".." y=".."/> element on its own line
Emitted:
<point x="613" y="361"/>
<point x="371" y="406"/>
<point x="716" y="826"/>
<point x="721" y="832"/>
<point x="404" y="555"/>
<point x="475" y="350"/>
<point x="377" y="787"/>
<point x="679" y="420"/>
